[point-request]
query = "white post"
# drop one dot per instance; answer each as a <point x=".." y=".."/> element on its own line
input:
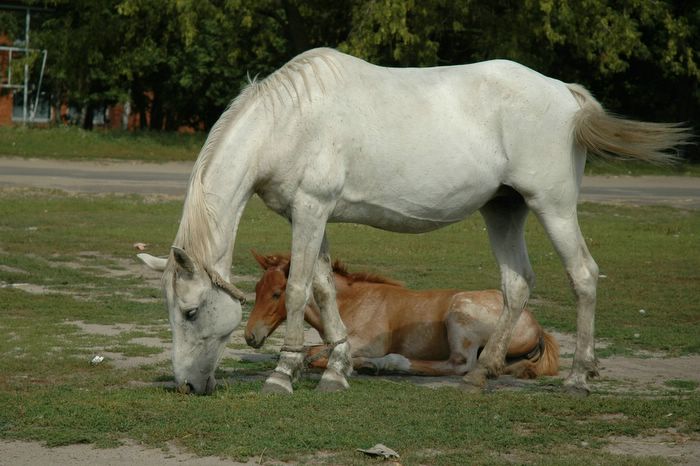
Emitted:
<point x="26" y="68"/>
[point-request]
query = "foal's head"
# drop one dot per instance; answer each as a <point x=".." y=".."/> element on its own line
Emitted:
<point x="269" y="310"/>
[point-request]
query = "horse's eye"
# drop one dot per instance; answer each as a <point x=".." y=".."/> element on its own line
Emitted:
<point x="276" y="295"/>
<point x="191" y="314"/>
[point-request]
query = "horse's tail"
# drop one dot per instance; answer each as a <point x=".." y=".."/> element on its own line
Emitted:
<point x="610" y="136"/>
<point x="542" y="360"/>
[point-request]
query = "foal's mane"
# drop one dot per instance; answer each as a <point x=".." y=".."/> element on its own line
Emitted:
<point x="296" y="80"/>
<point x="359" y="277"/>
<point x="281" y="260"/>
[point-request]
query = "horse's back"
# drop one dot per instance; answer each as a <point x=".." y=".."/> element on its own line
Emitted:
<point x="414" y="149"/>
<point x="443" y="136"/>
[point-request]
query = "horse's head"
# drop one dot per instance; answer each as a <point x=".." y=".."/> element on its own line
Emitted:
<point x="269" y="310"/>
<point x="204" y="309"/>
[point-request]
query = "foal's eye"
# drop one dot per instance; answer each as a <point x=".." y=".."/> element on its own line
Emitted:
<point x="276" y="295"/>
<point x="191" y="314"/>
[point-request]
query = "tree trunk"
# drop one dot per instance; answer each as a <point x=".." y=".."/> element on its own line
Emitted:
<point x="296" y="30"/>
<point x="89" y="116"/>
<point x="156" y="111"/>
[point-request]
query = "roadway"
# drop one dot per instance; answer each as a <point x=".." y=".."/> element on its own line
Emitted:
<point x="171" y="179"/>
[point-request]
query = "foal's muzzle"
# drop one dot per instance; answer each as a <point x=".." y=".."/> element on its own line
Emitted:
<point x="253" y="341"/>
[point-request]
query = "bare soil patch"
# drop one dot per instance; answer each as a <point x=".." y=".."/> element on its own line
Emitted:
<point x="668" y="444"/>
<point x="18" y="453"/>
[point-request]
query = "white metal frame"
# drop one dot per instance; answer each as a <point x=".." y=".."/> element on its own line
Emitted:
<point x="26" y="116"/>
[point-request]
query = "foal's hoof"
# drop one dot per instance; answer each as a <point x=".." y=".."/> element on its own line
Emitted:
<point x="474" y="381"/>
<point x="368" y="368"/>
<point x="331" y="381"/>
<point x="278" y="383"/>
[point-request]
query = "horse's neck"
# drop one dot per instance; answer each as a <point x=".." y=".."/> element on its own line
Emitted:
<point x="227" y="179"/>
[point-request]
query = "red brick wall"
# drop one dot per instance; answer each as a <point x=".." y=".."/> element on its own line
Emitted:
<point x="5" y="96"/>
<point x="6" y="109"/>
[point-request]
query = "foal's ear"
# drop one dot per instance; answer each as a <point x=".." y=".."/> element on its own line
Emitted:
<point x="260" y="259"/>
<point x="183" y="260"/>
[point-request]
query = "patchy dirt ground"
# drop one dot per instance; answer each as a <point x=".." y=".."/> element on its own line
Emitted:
<point x="644" y="373"/>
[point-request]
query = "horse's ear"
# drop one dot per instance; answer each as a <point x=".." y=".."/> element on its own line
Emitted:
<point x="183" y="260"/>
<point x="262" y="260"/>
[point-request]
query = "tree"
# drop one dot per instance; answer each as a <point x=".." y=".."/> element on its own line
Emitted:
<point x="83" y="39"/>
<point x="182" y="62"/>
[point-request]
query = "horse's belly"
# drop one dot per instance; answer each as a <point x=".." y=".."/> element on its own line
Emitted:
<point x="416" y="192"/>
<point x="408" y="213"/>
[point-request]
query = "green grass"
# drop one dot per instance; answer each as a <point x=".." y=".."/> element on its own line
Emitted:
<point x="478" y="429"/>
<point x="682" y="384"/>
<point x="76" y="144"/>
<point x="50" y="392"/>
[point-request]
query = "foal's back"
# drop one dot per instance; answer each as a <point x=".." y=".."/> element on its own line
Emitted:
<point x="384" y="318"/>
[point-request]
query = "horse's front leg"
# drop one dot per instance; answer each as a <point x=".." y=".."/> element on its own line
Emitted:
<point x="339" y="365"/>
<point x="308" y="226"/>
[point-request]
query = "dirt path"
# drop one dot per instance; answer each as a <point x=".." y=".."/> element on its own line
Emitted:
<point x="171" y="179"/>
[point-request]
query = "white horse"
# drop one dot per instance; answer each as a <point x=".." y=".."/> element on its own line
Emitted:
<point x="331" y="138"/>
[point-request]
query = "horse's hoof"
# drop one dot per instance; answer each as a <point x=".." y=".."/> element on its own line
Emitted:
<point x="474" y="381"/>
<point x="331" y="381"/>
<point x="471" y="389"/>
<point x="278" y="383"/>
<point x="577" y="390"/>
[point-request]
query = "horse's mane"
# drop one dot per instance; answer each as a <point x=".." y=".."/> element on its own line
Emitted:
<point x="199" y="220"/>
<point x="297" y="80"/>
<point x="281" y="260"/>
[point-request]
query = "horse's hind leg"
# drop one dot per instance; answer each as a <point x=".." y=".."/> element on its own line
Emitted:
<point x="339" y="365"/>
<point x="561" y="224"/>
<point x="505" y="222"/>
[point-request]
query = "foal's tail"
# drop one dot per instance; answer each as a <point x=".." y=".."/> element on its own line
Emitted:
<point x="543" y="360"/>
<point x="609" y="136"/>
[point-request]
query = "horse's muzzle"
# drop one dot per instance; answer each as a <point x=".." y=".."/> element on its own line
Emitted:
<point x="187" y="388"/>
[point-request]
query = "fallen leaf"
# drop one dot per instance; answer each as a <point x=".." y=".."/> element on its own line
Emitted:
<point x="380" y="450"/>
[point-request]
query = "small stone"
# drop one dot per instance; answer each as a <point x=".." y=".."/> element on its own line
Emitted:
<point x="96" y="360"/>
